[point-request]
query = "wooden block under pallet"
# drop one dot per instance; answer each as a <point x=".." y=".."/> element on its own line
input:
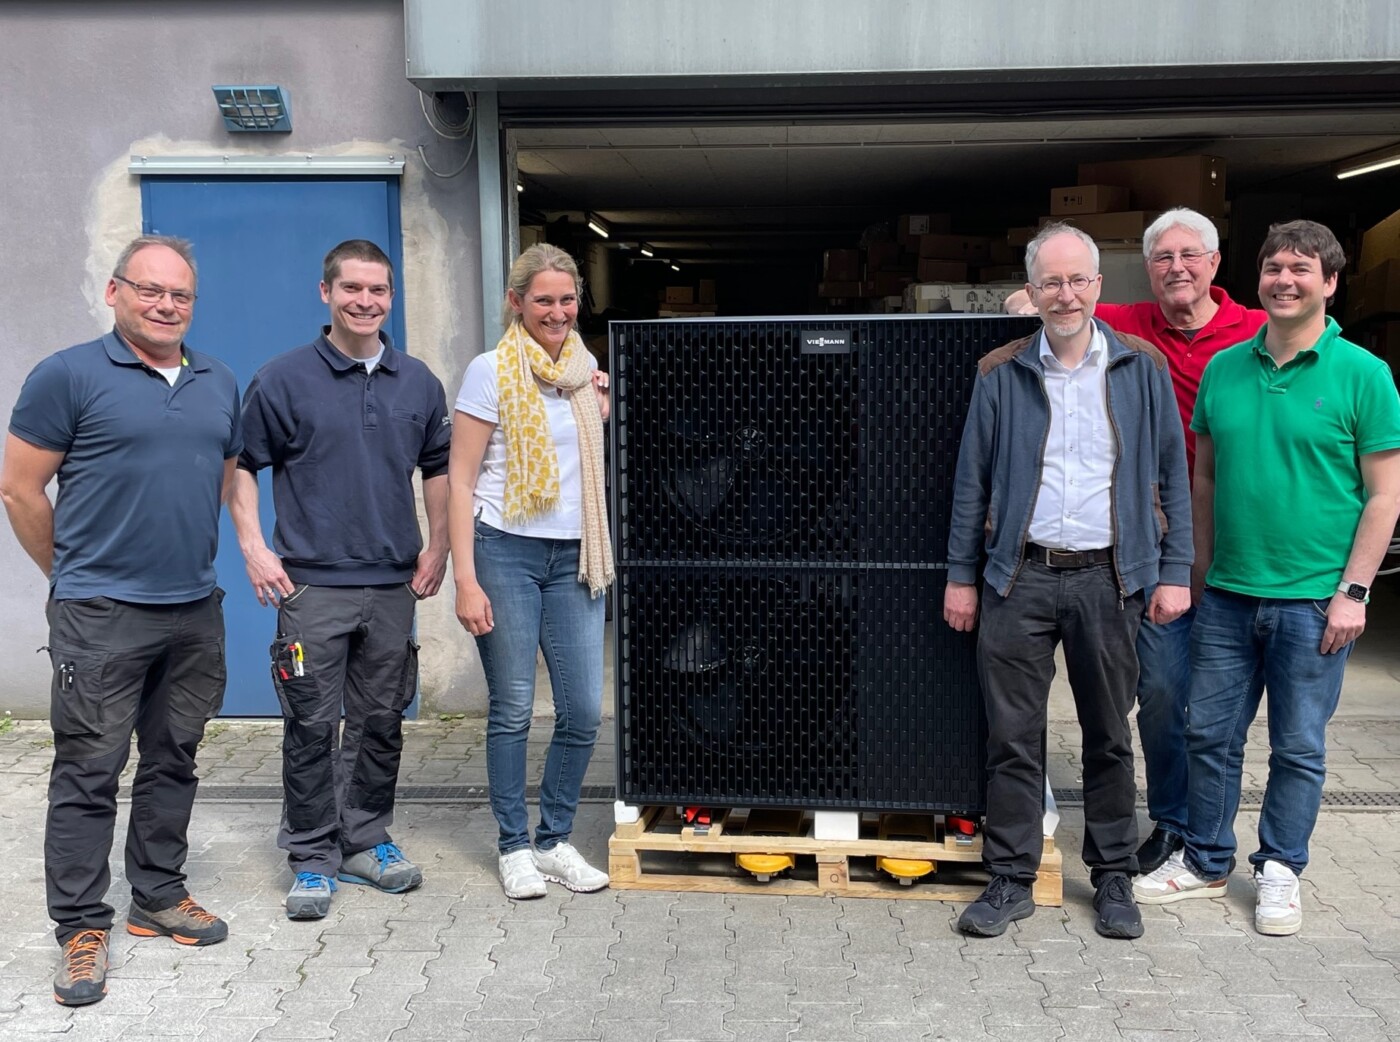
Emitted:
<point x="703" y="861"/>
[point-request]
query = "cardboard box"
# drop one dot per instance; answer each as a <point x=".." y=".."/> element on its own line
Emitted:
<point x="975" y="249"/>
<point x="1127" y="224"/>
<point x="707" y="291"/>
<point x="911" y="225"/>
<point x="1087" y="199"/>
<point x="887" y="305"/>
<point x="1380" y="338"/>
<point x="1160" y="184"/>
<point x="975" y="298"/>
<point x="1001" y="273"/>
<point x="843" y="288"/>
<point x="1374" y="292"/>
<point x="881" y="256"/>
<point x="678" y="295"/>
<point x="1380" y="243"/>
<point x="1124" y="274"/>
<point x="841" y="266"/>
<point x="933" y="270"/>
<point x="1020" y="236"/>
<point x="1005" y="253"/>
<point x="891" y="283"/>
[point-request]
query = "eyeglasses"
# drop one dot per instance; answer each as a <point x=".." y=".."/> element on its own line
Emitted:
<point x="1188" y="257"/>
<point x="1078" y="283"/>
<point x="154" y="294"/>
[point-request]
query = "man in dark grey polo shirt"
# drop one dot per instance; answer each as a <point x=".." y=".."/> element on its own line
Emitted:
<point x="142" y="433"/>
<point x="343" y="422"/>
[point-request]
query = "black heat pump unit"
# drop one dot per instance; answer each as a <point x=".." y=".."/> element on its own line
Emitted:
<point x="781" y="500"/>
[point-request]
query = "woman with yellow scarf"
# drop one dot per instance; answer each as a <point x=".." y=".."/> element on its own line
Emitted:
<point x="531" y="558"/>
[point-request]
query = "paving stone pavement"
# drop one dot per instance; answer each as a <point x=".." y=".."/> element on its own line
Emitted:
<point x="457" y="960"/>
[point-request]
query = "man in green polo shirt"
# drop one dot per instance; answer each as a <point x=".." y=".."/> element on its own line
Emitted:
<point x="1297" y="490"/>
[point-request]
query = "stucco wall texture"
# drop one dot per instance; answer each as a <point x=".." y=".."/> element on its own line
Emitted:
<point x="85" y="86"/>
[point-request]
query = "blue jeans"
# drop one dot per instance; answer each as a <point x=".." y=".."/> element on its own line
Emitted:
<point x="538" y="602"/>
<point x="1239" y="647"/>
<point x="1164" y="685"/>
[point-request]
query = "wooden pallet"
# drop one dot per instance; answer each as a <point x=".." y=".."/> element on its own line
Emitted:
<point x="661" y="852"/>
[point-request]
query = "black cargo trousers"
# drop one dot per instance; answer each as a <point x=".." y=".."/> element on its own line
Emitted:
<point x="341" y="649"/>
<point x="118" y="667"/>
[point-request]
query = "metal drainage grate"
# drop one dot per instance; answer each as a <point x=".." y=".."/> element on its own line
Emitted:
<point x="1253" y="799"/>
<point x="405" y="794"/>
<point x="1250" y="799"/>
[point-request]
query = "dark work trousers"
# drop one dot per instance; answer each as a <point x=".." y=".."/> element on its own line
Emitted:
<point x="1080" y="608"/>
<point x="158" y="670"/>
<point x="357" y="656"/>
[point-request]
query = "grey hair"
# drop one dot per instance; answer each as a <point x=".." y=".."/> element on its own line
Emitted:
<point x="135" y="246"/>
<point x="540" y="257"/>
<point x="1052" y="230"/>
<point x="1180" y="217"/>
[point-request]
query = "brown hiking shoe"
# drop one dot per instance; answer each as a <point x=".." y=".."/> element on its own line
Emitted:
<point x="82" y="969"/>
<point x="186" y="923"/>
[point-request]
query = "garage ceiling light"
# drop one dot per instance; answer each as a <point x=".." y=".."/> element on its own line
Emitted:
<point x="1368" y="162"/>
<point x="595" y="223"/>
<point x="675" y="267"/>
<point x="246" y="109"/>
<point x="646" y="250"/>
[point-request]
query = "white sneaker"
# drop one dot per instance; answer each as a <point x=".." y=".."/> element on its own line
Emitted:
<point x="519" y="877"/>
<point x="563" y="864"/>
<point x="1175" y="882"/>
<point x="1278" y="909"/>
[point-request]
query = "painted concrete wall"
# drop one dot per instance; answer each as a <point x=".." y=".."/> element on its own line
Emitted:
<point x="488" y="44"/>
<point x="86" y="85"/>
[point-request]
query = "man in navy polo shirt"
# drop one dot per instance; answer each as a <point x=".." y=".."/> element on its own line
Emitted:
<point x="343" y="422"/>
<point x="142" y="433"/>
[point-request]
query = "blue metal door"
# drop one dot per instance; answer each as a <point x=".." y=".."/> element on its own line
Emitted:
<point x="259" y="243"/>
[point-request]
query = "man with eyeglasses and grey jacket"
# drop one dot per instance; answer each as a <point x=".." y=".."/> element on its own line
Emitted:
<point x="1072" y="501"/>
<point x="1190" y="321"/>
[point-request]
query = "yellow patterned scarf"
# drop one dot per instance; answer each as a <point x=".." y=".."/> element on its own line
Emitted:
<point x="532" y="462"/>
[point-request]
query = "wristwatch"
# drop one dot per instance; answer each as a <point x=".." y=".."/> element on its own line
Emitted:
<point x="1355" y="591"/>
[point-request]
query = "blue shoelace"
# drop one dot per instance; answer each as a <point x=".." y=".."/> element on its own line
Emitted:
<point x="315" y="881"/>
<point x="388" y="854"/>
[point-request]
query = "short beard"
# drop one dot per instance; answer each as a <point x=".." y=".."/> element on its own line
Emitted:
<point x="1066" y="331"/>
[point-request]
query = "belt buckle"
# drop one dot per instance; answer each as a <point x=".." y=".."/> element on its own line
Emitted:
<point x="1051" y="552"/>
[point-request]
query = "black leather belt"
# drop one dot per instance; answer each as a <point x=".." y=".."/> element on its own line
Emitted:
<point x="1053" y="558"/>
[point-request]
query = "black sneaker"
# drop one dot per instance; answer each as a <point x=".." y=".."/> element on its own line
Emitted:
<point x="1155" y="850"/>
<point x="82" y="969"/>
<point x="185" y="923"/>
<point x="1003" y="901"/>
<point x="1118" y="912"/>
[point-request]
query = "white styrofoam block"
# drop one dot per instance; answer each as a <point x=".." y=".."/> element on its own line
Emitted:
<point x="625" y="813"/>
<point x="836" y="824"/>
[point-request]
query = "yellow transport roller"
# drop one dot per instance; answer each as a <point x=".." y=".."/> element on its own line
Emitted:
<point x="906" y="828"/>
<point x="783" y="823"/>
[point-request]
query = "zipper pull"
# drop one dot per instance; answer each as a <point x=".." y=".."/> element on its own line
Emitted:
<point x="1120" y="600"/>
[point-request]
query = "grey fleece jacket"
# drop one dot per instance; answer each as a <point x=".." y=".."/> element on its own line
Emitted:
<point x="1002" y="456"/>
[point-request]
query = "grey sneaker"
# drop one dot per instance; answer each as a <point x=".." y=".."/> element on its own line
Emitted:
<point x="563" y="864"/>
<point x="81" y="978"/>
<point x="382" y="867"/>
<point x="184" y="923"/>
<point x="519" y="877"/>
<point x="310" y="896"/>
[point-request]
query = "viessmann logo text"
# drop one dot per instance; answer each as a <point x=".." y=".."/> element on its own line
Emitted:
<point x="826" y="342"/>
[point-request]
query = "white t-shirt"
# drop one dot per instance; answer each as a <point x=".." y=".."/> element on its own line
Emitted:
<point x="171" y="374"/>
<point x="479" y="397"/>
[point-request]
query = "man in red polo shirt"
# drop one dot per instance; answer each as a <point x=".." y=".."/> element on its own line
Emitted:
<point x="1190" y="321"/>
